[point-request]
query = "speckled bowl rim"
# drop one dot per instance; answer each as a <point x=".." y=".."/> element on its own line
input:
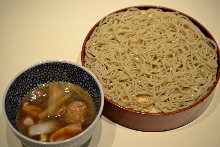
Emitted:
<point x="198" y="24"/>
<point x="60" y="142"/>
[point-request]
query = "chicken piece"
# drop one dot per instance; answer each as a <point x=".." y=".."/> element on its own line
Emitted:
<point x="32" y="110"/>
<point x="66" y="132"/>
<point x="76" y="112"/>
<point x="28" y="121"/>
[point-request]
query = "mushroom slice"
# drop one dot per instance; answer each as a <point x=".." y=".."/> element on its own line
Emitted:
<point x="66" y="132"/>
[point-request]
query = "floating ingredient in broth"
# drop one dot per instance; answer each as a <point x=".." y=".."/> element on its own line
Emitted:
<point x="76" y="112"/>
<point x="46" y="127"/>
<point x="54" y="106"/>
<point x="160" y="57"/>
<point x="32" y="110"/>
<point x="55" y="111"/>
<point x="66" y="132"/>
<point x="28" y="121"/>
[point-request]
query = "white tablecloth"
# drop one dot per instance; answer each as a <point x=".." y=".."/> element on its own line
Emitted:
<point x="36" y="30"/>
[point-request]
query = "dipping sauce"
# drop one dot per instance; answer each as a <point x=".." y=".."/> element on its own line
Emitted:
<point x="55" y="111"/>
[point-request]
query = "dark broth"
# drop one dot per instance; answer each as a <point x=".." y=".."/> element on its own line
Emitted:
<point x="34" y="108"/>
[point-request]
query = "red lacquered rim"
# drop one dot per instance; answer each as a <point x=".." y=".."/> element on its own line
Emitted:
<point x="204" y="30"/>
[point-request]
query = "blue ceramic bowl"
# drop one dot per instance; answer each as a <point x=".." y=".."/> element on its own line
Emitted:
<point x="49" y="71"/>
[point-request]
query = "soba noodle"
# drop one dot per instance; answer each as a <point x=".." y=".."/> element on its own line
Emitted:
<point x="151" y="61"/>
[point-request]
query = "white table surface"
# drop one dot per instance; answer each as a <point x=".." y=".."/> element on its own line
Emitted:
<point x="36" y="30"/>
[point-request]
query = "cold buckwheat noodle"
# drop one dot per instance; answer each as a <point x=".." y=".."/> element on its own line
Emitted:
<point x="151" y="61"/>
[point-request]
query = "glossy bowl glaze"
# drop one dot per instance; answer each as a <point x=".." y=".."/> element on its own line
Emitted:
<point x="50" y="71"/>
<point x="155" y="121"/>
